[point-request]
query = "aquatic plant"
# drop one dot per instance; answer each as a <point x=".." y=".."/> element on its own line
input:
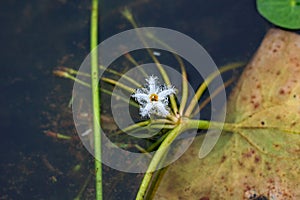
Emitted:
<point x="285" y="13"/>
<point x="96" y="99"/>
<point x="172" y="118"/>
<point x="260" y="155"/>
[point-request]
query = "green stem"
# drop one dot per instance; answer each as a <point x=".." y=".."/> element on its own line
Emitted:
<point x="128" y="15"/>
<point x="156" y="159"/>
<point x="205" y="84"/>
<point x="162" y="150"/>
<point x="212" y="95"/>
<point x="116" y="83"/>
<point x="96" y="99"/>
<point x="108" y="80"/>
<point x="78" y="81"/>
<point x="204" y="125"/>
<point x="134" y="62"/>
<point x="133" y="103"/>
<point x="64" y="137"/>
<point x="74" y="72"/>
<point x="66" y="74"/>
<point x="183" y="73"/>
<point x="162" y="123"/>
<point x="131" y="80"/>
<point x="156" y="143"/>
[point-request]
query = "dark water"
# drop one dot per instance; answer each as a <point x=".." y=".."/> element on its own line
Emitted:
<point x="38" y="36"/>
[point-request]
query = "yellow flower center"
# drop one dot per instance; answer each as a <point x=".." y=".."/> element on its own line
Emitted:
<point x="153" y="97"/>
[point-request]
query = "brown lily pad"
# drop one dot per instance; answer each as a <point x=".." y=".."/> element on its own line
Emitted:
<point x="262" y="155"/>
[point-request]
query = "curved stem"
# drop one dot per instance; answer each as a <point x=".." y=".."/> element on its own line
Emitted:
<point x="131" y="80"/>
<point x="156" y="159"/>
<point x="134" y="126"/>
<point x="163" y="148"/>
<point x="162" y="123"/>
<point x="116" y="83"/>
<point x="133" y="103"/>
<point x="206" y="82"/>
<point x="128" y="15"/>
<point x="73" y="71"/>
<point x="183" y="73"/>
<point x="65" y="74"/>
<point x="134" y="62"/>
<point x="208" y="99"/>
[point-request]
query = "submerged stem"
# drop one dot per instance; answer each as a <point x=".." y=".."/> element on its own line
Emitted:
<point x="183" y="73"/>
<point x="128" y="15"/>
<point x="96" y="99"/>
<point x="65" y="74"/>
<point x="205" y="84"/>
<point x="158" y="123"/>
<point x="131" y="80"/>
<point x="117" y="83"/>
<point x="214" y="94"/>
<point x="134" y="62"/>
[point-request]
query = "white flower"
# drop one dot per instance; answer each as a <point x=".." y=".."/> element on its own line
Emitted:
<point x="153" y="98"/>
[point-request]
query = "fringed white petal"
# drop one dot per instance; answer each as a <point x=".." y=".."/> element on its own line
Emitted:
<point x="166" y="92"/>
<point x="146" y="110"/>
<point x="161" y="109"/>
<point x="152" y="82"/>
<point x="144" y="96"/>
<point x="141" y="98"/>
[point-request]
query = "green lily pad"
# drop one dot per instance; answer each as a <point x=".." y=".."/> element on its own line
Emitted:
<point x="262" y="155"/>
<point x="283" y="13"/>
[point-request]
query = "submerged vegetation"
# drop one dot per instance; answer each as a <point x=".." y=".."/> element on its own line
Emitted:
<point x="248" y="132"/>
<point x="172" y="122"/>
